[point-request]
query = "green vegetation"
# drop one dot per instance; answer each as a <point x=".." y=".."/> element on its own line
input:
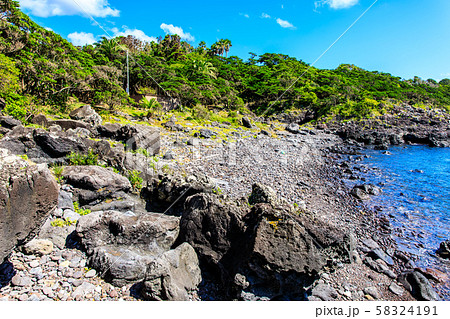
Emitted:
<point x="80" y="211"/>
<point x="39" y="70"/>
<point x="135" y="179"/>
<point x="63" y="223"/>
<point x="78" y="159"/>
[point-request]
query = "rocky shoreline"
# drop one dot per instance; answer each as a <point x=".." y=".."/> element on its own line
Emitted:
<point x="204" y="225"/>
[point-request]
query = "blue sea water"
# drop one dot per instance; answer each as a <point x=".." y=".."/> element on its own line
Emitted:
<point x="416" y="198"/>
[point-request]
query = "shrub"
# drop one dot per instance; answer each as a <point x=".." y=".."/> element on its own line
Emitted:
<point x="135" y="179"/>
<point x="78" y="159"/>
<point x="80" y="211"/>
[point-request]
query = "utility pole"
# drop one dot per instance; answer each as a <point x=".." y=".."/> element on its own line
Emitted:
<point x="128" y="75"/>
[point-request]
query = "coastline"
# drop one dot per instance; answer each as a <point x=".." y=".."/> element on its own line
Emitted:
<point x="305" y="170"/>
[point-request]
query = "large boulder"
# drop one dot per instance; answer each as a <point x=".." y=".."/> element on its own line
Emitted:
<point x="173" y="276"/>
<point x="444" y="249"/>
<point x="27" y="194"/>
<point x="120" y="246"/>
<point x="70" y="124"/>
<point x="86" y="114"/>
<point x="95" y="178"/>
<point x="56" y="146"/>
<point x="266" y="252"/>
<point x="9" y="122"/>
<point x="419" y="286"/>
<point x="168" y="193"/>
<point x="141" y="137"/>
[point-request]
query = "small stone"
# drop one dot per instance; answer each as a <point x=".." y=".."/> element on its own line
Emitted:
<point x="396" y="289"/>
<point x="34" y="297"/>
<point x="77" y="274"/>
<point x="369" y="297"/>
<point x="77" y="283"/>
<point x="47" y="291"/>
<point x="34" y="264"/>
<point x="91" y="273"/>
<point x="347" y="294"/>
<point x="23" y="297"/>
<point x="83" y="290"/>
<point x="64" y="264"/>
<point x="20" y="281"/>
<point x="38" y="247"/>
<point x="113" y="294"/>
<point x="372" y="291"/>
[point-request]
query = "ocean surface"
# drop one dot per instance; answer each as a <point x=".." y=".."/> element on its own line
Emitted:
<point x="416" y="199"/>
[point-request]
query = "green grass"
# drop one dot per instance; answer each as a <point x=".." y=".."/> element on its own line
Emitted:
<point x="78" y="159"/>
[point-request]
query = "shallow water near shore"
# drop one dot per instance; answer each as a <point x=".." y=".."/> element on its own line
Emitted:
<point x="416" y="197"/>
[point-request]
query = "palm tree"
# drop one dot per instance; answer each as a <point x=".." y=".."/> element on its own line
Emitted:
<point x="109" y="47"/>
<point x="226" y="46"/>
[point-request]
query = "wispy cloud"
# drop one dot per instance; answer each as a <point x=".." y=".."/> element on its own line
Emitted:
<point x="49" y="8"/>
<point x="81" y="38"/>
<point x="171" y="29"/>
<point x="245" y="15"/>
<point x="139" y="34"/>
<point x="285" y="24"/>
<point x="336" y="4"/>
<point x="265" y="16"/>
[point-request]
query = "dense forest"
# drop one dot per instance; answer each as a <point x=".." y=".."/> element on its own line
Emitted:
<point x="39" y="67"/>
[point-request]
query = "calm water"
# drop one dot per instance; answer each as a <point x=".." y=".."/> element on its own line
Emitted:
<point x="416" y="195"/>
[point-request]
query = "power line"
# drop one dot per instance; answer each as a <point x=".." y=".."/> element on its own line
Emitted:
<point x="320" y="57"/>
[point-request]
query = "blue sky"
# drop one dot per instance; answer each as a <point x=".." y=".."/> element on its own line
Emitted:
<point x="401" y="37"/>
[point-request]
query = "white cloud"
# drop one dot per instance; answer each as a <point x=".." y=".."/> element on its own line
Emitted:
<point x="48" y="29"/>
<point x="336" y="4"/>
<point x="171" y="29"/>
<point x="285" y="24"/>
<point x="246" y="15"/>
<point x="139" y="34"/>
<point x="49" y="8"/>
<point x="81" y="38"/>
<point x="265" y="16"/>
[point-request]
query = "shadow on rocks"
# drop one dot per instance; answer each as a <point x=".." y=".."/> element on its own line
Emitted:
<point x="7" y="272"/>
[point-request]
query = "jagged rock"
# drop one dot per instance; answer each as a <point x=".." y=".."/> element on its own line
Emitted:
<point x="419" y="286"/>
<point x="170" y="192"/>
<point x="65" y="200"/>
<point x="96" y="178"/>
<point x="154" y="233"/>
<point x="262" y="194"/>
<point x="86" y="114"/>
<point x="444" y="249"/>
<point x="69" y="124"/>
<point x="59" y="236"/>
<point x="379" y="254"/>
<point x="277" y="253"/>
<point x="40" y="119"/>
<point x="109" y="130"/>
<point x="246" y="122"/>
<point x="324" y="292"/>
<point x="363" y="192"/>
<point x="141" y="137"/>
<point x="27" y="195"/>
<point x="205" y="133"/>
<point x="9" y="122"/>
<point x="38" y="247"/>
<point x="373" y="292"/>
<point x="173" y="276"/>
<point x="293" y="128"/>
<point x="396" y="289"/>
<point x="55" y="146"/>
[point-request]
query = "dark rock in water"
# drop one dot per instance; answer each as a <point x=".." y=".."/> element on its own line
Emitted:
<point x="9" y="122"/>
<point x="382" y="147"/>
<point x="173" y="276"/>
<point x="246" y="122"/>
<point x="444" y="249"/>
<point x="27" y="195"/>
<point x="419" y="286"/>
<point x="86" y="114"/>
<point x="293" y="128"/>
<point x="363" y="192"/>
